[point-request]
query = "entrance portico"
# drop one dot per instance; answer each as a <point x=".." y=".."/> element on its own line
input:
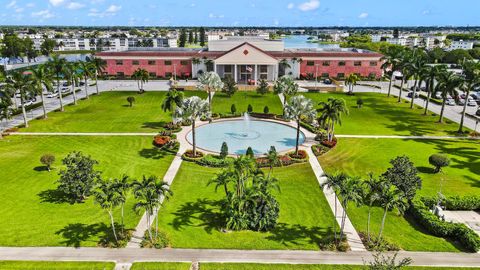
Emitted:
<point x="246" y="64"/>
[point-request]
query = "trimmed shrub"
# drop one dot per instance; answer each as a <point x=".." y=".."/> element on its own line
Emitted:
<point x="266" y="110"/>
<point x="320" y="149"/>
<point x="249" y="108"/>
<point x="465" y="203"/>
<point x="438" y="161"/>
<point x="321" y="136"/>
<point x="224" y="150"/>
<point x="309" y="127"/>
<point x="301" y="155"/>
<point x="359" y="103"/>
<point x="130" y="100"/>
<point x="233" y="109"/>
<point x="331" y="143"/>
<point x="173" y="127"/>
<point x="47" y="160"/>
<point x="250" y="152"/>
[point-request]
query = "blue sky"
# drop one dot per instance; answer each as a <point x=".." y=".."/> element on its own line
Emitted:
<point x="240" y="12"/>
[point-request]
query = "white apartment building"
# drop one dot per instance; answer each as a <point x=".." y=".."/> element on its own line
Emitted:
<point x="460" y="44"/>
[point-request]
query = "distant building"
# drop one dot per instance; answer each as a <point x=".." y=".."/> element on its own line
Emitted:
<point x="460" y="44"/>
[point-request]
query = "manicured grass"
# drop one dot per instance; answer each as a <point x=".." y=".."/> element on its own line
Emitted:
<point x="360" y="156"/>
<point x="252" y="266"/>
<point x="43" y="265"/>
<point x="222" y="103"/>
<point x="160" y="266"/>
<point x="382" y="115"/>
<point x="34" y="214"/>
<point x="110" y="112"/>
<point x="191" y="218"/>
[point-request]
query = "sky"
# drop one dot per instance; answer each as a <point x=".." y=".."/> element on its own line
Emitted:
<point x="241" y="12"/>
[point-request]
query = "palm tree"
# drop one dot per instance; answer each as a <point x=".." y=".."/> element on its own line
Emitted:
<point x="173" y="98"/>
<point x="273" y="159"/>
<point x="331" y="114"/>
<point x="417" y="65"/>
<point x="57" y="66"/>
<point x="210" y="82"/>
<point x="86" y="71"/>
<point x="108" y="199"/>
<point x="41" y="78"/>
<point x="392" y="60"/>
<point x="98" y="65"/>
<point x="299" y="108"/>
<point x="371" y="194"/>
<point x="222" y="179"/>
<point x="405" y="67"/>
<point x="122" y="186"/>
<point x="18" y="81"/>
<point x="349" y="191"/>
<point x="447" y="82"/>
<point x="162" y="189"/>
<point x="333" y="182"/>
<point x="431" y="72"/>
<point x="147" y="200"/>
<point x="284" y="64"/>
<point x="192" y="108"/>
<point x="351" y="81"/>
<point x="286" y="86"/>
<point x="72" y="76"/>
<point x="390" y="197"/>
<point x="141" y="76"/>
<point x="471" y="71"/>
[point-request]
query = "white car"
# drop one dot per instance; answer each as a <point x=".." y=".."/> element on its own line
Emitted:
<point x="471" y="102"/>
<point x="65" y="90"/>
<point x="450" y="102"/>
<point x="27" y="103"/>
<point x="52" y="95"/>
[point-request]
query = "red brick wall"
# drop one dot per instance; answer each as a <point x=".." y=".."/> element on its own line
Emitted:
<point x="159" y="68"/>
<point x="333" y="69"/>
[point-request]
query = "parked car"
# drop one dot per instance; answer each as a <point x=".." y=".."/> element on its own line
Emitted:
<point x="478" y="112"/>
<point x="52" y="95"/>
<point x="410" y="94"/>
<point x="65" y="90"/>
<point x="27" y="103"/>
<point x="65" y="84"/>
<point x="450" y="102"/>
<point x="471" y="102"/>
<point x="438" y="95"/>
<point x="326" y="81"/>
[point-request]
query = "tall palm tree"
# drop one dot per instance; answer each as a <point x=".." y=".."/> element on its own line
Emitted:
<point x="72" y="76"/>
<point x="392" y="60"/>
<point x="447" y="82"/>
<point x="417" y="66"/>
<point x="390" y="198"/>
<point x="284" y="64"/>
<point x="122" y="187"/>
<point x="141" y="76"/>
<point x="57" y="66"/>
<point x="86" y="71"/>
<point x="350" y="191"/>
<point x="471" y="71"/>
<point x="351" y="81"/>
<point x="147" y="199"/>
<point x="41" y="78"/>
<point x="405" y="67"/>
<point x="162" y="189"/>
<point x="172" y="98"/>
<point x="210" y="82"/>
<point x="331" y="114"/>
<point x="333" y="182"/>
<point x="297" y="109"/>
<point x="371" y="194"/>
<point x="99" y="65"/>
<point x="192" y="108"/>
<point x="431" y="73"/>
<point x="18" y="81"/>
<point x="108" y="199"/>
<point x="222" y="179"/>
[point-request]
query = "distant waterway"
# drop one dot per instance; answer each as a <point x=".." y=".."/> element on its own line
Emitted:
<point x="301" y="41"/>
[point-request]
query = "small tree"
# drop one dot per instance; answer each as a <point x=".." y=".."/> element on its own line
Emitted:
<point x="404" y="175"/>
<point x="439" y="161"/>
<point x="224" y="150"/>
<point x="130" y="100"/>
<point x="266" y="109"/>
<point x="79" y="177"/>
<point x="262" y="88"/>
<point x="249" y="152"/>
<point x="249" y="108"/>
<point x="359" y="103"/>
<point x="233" y="109"/>
<point x="229" y="86"/>
<point x="47" y="160"/>
<point x="381" y="262"/>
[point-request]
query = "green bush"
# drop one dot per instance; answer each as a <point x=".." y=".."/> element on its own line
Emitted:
<point x="466" y="236"/>
<point x="161" y="241"/>
<point x="309" y="127"/>
<point x="439" y="161"/>
<point x="47" y="160"/>
<point x="249" y="152"/>
<point x="224" y="150"/>
<point x="465" y="203"/>
<point x="249" y="108"/>
<point x="233" y="109"/>
<point x="359" y="103"/>
<point x="266" y="110"/>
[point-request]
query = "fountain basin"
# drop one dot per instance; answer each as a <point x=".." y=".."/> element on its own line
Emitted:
<point x="241" y="134"/>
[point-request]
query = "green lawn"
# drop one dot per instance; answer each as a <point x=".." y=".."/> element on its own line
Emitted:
<point x="34" y="214"/>
<point x="360" y="156"/>
<point x="222" y="103"/>
<point x="110" y="112"/>
<point x="252" y="266"/>
<point x="160" y="266"/>
<point x="381" y="115"/>
<point x="24" y="265"/>
<point x="191" y="217"/>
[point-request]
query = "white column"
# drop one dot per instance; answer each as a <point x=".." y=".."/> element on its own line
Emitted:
<point x="255" y="75"/>
<point x="214" y="67"/>
<point x="235" y="72"/>
<point x="275" y="72"/>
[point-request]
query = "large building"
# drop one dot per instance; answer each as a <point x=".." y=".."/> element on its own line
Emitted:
<point x="245" y="59"/>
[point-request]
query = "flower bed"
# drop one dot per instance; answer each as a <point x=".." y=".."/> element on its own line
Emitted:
<point x="172" y="127"/>
<point x="300" y="155"/>
<point x="320" y="149"/>
<point x="328" y="143"/>
<point x="161" y="141"/>
<point x="188" y="156"/>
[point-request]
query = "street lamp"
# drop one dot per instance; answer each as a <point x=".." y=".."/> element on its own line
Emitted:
<point x="316" y="75"/>
<point x="175" y="72"/>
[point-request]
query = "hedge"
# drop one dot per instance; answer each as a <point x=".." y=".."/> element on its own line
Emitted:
<point x="308" y="127"/>
<point x="466" y="203"/>
<point x="466" y="236"/>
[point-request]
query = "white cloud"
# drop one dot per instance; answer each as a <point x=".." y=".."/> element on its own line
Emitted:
<point x="75" y="5"/>
<point x="44" y="14"/>
<point x="426" y="12"/>
<point x="363" y="15"/>
<point x="11" y="4"/>
<point x="310" y="5"/>
<point x="291" y="5"/>
<point x="213" y="16"/>
<point x="56" y="2"/>
<point x="113" y="9"/>
<point x="30" y="5"/>
<point x="276" y="22"/>
<point x="19" y="10"/>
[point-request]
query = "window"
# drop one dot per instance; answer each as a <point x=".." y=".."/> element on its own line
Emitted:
<point x="168" y="63"/>
<point x="227" y="69"/>
<point x="325" y="75"/>
<point x="135" y="62"/>
<point x="310" y="63"/>
<point x="151" y="62"/>
<point x="263" y="72"/>
<point x="119" y="62"/>
<point x="341" y="63"/>
<point x="373" y="63"/>
<point x="120" y="74"/>
<point x="263" y="69"/>
<point x="326" y="63"/>
<point x="183" y="62"/>
<point x="168" y="75"/>
<point x="357" y="63"/>
<point x="341" y="75"/>
<point x="152" y="74"/>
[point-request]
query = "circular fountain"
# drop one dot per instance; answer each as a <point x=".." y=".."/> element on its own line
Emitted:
<point x="240" y="134"/>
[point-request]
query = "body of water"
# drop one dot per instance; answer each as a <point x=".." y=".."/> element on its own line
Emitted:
<point x="301" y="41"/>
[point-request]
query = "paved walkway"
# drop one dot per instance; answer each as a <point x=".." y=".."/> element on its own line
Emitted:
<point x="130" y="255"/>
<point x="469" y="218"/>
